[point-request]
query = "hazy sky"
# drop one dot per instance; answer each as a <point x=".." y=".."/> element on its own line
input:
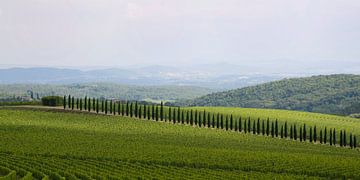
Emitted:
<point x="127" y="32"/>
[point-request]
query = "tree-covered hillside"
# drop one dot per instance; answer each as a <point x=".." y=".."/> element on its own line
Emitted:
<point x="108" y="90"/>
<point x="332" y="94"/>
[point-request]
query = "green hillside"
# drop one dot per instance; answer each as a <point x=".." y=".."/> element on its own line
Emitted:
<point x="332" y="94"/>
<point x="79" y="145"/>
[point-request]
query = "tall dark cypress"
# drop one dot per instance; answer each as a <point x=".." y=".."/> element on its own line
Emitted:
<point x="344" y="136"/>
<point x="304" y="133"/>
<point x="258" y="126"/>
<point x="153" y="112"/>
<point x="169" y="114"/>
<point x="122" y="109"/>
<point x="254" y="127"/>
<point x="315" y="135"/>
<point x="263" y="128"/>
<point x="89" y="102"/>
<point x="161" y="111"/>
<point x="236" y="125"/>
<point x="291" y="132"/>
<point x="77" y="103"/>
<point x="272" y="129"/>
<point x="217" y="121"/>
<point x="72" y="103"/>
<point x="276" y="128"/>
<point x="182" y="117"/>
<point x="118" y="109"/>
<point x="148" y="113"/>
<point x="196" y="118"/>
<point x="157" y="113"/>
<point x="295" y="132"/>
<point x="102" y="105"/>
<point x="240" y="124"/>
<point x="285" y="130"/>
<point x="140" y="112"/>
<point x="64" y="102"/>
<point x="106" y="106"/>
<point x="145" y="111"/>
<point x="282" y="132"/>
<point x="69" y="101"/>
<point x="174" y="116"/>
<point x="222" y="121"/>
<point x="80" y="104"/>
<point x="321" y="136"/>
<point x="208" y="119"/>
<point x="200" y="120"/>
<point x="131" y="109"/>
<point x="204" y="118"/>
<point x="114" y="108"/>
<point x="94" y="104"/>
<point x="97" y="105"/>
<point x="127" y="108"/>
<point x="267" y="127"/>
<point x="249" y="125"/>
<point x="310" y="135"/>
<point x="191" y="118"/>
<point x="136" y="109"/>
<point x="187" y="117"/>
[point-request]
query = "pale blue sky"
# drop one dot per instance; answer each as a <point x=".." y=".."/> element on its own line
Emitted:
<point x="128" y="32"/>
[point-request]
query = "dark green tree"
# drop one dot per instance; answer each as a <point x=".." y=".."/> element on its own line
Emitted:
<point x="187" y="117"/>
<point x="272" y="129"/>
<point x="161" y="111"/>
<point x="80" y="104"/>
<point x="174" y="116"/>
<point x="226" y="122"/>
<point x="249" y="125"/>
<point x="325" y="134"/>
<point x="217" y="121"/>
<point x="301" y="135"/>
<point x="334" y="137"/>
<point x="102" y="105"/>
<point x="240" y="124"/>
<point x="157" y="113"/>
<point x="94" y="104"/>
<point x="199" y="120"/>
<point x="304" y="133"/>
<point x="315" y="134"/>
<point x="321" y="136"/>
<point x="330" y="140"/>
<point x="64" y="102"/>
<point x="351" y="141"/>
<point x="222" y="121"/>
<point x="106" y="106"/>
<point x="118" y="109"/>
<point x="145" y="111"/>
<point x="89" y="102"/>
<point x="170" y="114"/>
<point x="245" y="127"/>
<point x="148" y="113"/>
<point x="72" y="103"/>
<point x="69" y="101"/>
<point x="178" y="115"/>
<point x="344" y="136"/>
<point x="140" y="112"/>
<point x="204" y="118"/>
<point x="263" y="128"/>
<point x="258" y="126"/>
<point x="208" y="120"/>
<point x="191" y="118"/>
<point x="341" y="138"/>
<point x="77" y="103"/>
<point x="254" y="127"/>
<point x="127" y="108"/>
<point x="295" y="132"/>
<point x="291" y="132"/>
<point x="285" y="130"/>
<point x="131" y="110"/>
<point x="182" y="117"/>
<point x="97" y="105"/>
<point x="276" y="128"/>
<point x="85" y="103"/>
<point x="310" y="135"/>
<point x="213" y="120"/>
<point x="267" y="127"/>
<point x="153" y="112"/>
<point x="196" y="118"/>
<point x="136" y="109"/>
<point x="355" y="143"/>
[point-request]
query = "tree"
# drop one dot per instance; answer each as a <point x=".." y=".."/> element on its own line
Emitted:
<point x="178" y="115"/>
<point x="301" y="135"/>
<point x="136" y="109"/>
<point x="145" y="111"/>
<point x="153" y="112"/>
<point x="94" y="104"/>
<point x="182" y="117"/>
<point x="72" y="103"/>
<point x="330" y="137"/>
<point x="231" y="122"/>
<point x="174" y="116"/>
<point x="258" y="126"/>
<point x="89" y="102"/>
<point x="249" y="125"/>
<point x="140" y="112"/>
<point x="97" y="105"/>
<point x="351" y="141"/>
<point x="119" y="105"/>
<point x="295" y="132"/>
<point x="240" y="124"/>
<point x="161" y="111"/>
<point x="64" y="102"/>
<point x="227" y="123"/>
<point x="170" y="114"/>
<point x="127" y="108"/>
<point x="204" y="118"/>
<point x="245" y="127"/>
<point x="222" y="122"/>
<point x="263" y="127"/>
<point x="157" y="113"/>
<point x="131" y="109"/>
<point x="77" y="103"/>
<point x="148" y="113"/>
<point x="106" y="106"/>
<point x="310" y="135"/>
<point x="213" y="120"/>
<point x="208" y="118"/>
<point x="85" y="103"/>
<point x="102" y="105"/>
<point x="341" y="138"/>
<point x="315" y="135"/>
<point x="285" y="130"/>
<point x="69" y="101"/>
<point x="321" y="136"/>
<point x="304" y="133"/>
<point x="191" y="118"/>
<point x="344" y="136"/>
<point x="80" y="104"/>
<point x="334" y="137"/>
<point x="187" y="117"/>
<point x="196" y="118"/>
<point x="199" y="120"/>
<point x="325" y="134"/>
<point x="291" y="132"/>
<point x="217" y="121"/>
<point x="254" y="127"/>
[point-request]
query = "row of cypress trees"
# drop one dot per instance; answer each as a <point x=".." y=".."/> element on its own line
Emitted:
<point x="212" y="120"/>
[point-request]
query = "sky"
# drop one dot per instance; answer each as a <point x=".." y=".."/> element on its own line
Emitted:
<point x="116" y="33"/>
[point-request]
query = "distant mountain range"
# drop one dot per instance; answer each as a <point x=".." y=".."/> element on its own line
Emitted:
<point x="331" y="94"/>
<point x="207" y="76"/>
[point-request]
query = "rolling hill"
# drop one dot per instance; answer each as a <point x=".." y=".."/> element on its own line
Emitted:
<point x="331" y="94"/>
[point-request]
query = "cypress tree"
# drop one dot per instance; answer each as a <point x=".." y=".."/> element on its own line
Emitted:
<point x="153" y="112"/>
<point x="191" y="118"/>
<point x="310" y="135"/>
<point x="341" y="138"/>
<point x="182" y="117"/>
<point x="122" y="109"/>
<point x="304" y="133"/>
<point x="161" y="111"/>
<point x="321" y="136"/>
<point x="136" y="109"/>
<point x="204" y="118"/>
<point x="174" y="116"/>
<point x="254" y="128"/>
<point x="170" y="114"/>
<point x="295" y="132"/>
<point x="157" y="112"/>
<point x="196" y="118"/>
<point x="282" y="132"/>
<point x="217" y="121"/>
<point x="77" y="103"/>
<point x="209" y="119"/>
<point x="227" y="123"/>
<point x="291" y="132"/>
<point x="267" y="127"/>
<point x="85" y="103"/>
<point x="249" y="125"/>
<point x="263" y="127"/>
<point x="106" y="106"/>
<point x="344" y="136"/>
<point x="231" y="122"/>
<point x="69" y="101"/>
<point x="240" y="124"/>
<point x="80" y="101"/>
<point x="285" y="130"/>
<point x="258" y="126"/>
<point x="140" y="112"/>
<point x="148" y="113"/>
<point x="245" y="127"/>
<point x="351" y="141"/>
<point x="236" y="125"/>
<point x="222" y="122"/>
<point x="334" y="137"/>
<point x="187" y="117"/>
<point x="325" y="134"/>
<point x="72" y="103"/>
<point x="127" y="108"/>
<point x="145" y="111"/>
<point x="272" y="129"/>
<point x="315" y="135"/>
<point x="131" y="110"/>
<point x="89" y="102"/>
<point x="213" y="120"/>
<point x="330" y="137"/>
<point x="114" y="108"/>
<point x="178" y="115"/>
<point x="97" y="105"/>
<point x="102" y="105"/>
<point x="64" y="102"/>
<point x="94" y="104"/>
<point x="200" y="120"/>
<point x="301" y="135"/>
<point x="276" y="128"/>
<point x="119" y="104"/>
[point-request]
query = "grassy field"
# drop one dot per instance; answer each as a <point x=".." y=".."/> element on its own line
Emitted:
<point x="41" y="144"/>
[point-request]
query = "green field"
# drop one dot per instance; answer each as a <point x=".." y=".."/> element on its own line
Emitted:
<point x="49" y="144"/>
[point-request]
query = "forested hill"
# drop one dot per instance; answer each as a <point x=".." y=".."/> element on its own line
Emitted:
<point x="332" y="94"/>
